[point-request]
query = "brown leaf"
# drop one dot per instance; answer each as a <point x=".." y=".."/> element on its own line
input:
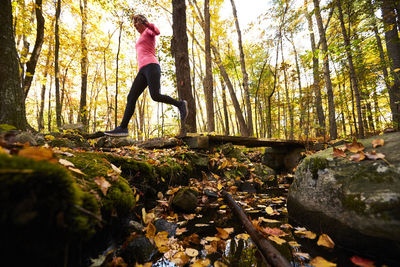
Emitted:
<point x="374" y="156"/>
<point x="357" y="157"/>
<point x="36" y="153"/>
<point x="222" y="233"/>
<point x="66" y="163"/>
<point x="161" y="240"/>
<point x="274" y="231"/>
<point x="150" y="231"/>
<point x="276" y="239"/>
<point x="180" y="258"/>
<point x="355" y="146"/>
<point x="191" y="252"/>
<point x="337" y="152"/>
<point x="102" y="183"/>
<point x="76" y="170"/>
<point x="362" y="262"/>
<point x="378" y="142"/>
<point x="321" y="262"/>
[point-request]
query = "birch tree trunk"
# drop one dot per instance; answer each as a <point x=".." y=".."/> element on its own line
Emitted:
<point x="244" y="73"/>
<point x="56" y="63"/>
<point x="327" y="77"/>
<point x="116" y="75"/>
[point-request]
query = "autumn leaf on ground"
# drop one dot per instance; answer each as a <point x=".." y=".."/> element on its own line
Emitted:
<point x="220" y="264"/>
<point x="337" y="152"/>
<point x="326" y="241"/>
<point x="222" y="233"/>
<point x="36" y="153"/>
<point x="274" y="231"/>
<point x="189" y="216"/>
<point x="212" y="247"/>
<point x="118" y="261"/>
<point x="180" y="258"/>
<point x="321" y="262"/>
<point x="150" y="231"/>
<point x="180" y="231"/>
<point x="355" y="146"/>
<point x="147" y="217"/>
<point x="102" y="183"/>
<point x="302" y="255"/>
<point x="66" y="163"/>
<point x="294" y="244"/>
<point x="307" y="234"/>
<point x="362" y="262"/>
<point x="378" y="142"/>
<point x="276" y="239"/>
<point x="269" y="210"/>
<point x="161" y="240"/>
<point x="357" y="157"/>
<point x="374" y="156"/>
<point x="243" y="236"/>
<point x="268" y="220"/>
<point x="116" y="169"/>
<point x="191" y="252"/>
<point x="76" y="170"/>
<point x="201" y="263"/>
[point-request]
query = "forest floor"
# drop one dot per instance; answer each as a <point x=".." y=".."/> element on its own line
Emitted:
<point x="165" y="234"/>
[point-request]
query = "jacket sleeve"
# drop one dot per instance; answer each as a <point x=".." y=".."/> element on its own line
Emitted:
<point x="153" y="29"/>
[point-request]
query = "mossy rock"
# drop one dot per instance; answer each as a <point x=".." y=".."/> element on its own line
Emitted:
<point x="119" y="199"/>
<point x="42" y="210"/>
<point x="62" y="142"/>
<point x="6" y="128"/>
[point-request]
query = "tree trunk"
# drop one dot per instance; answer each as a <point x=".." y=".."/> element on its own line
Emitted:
<point x="116" y="75"/>
<point x="289" y="105"/>
<point x="244" y="73"/>
<point x="84" y="65"/>
<point x="225" y="107"/>
<point x="208" y="80"/>
<point x="12" y="104"/>
<point x="43" y="91"/>
<point x="31" y="64"/>
<point x="393" y="49"/>
<point x="353" y="76"/>
<point x="56" y="63"/>
<point x="327" y="77"/>
<point x="179" y="49"/>
<point x="316" y="77"/>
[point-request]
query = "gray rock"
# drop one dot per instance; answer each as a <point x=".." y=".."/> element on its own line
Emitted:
<point x="134" y="226"/>
<point x="26" y="137"/>
<point x="232" y="152"/>
<point x="74" y="126"/>
<point x="185" y="200"/>
<point x="163" y="225"/>
<point x="139" y="250"/>
<point x="356" y="203"/>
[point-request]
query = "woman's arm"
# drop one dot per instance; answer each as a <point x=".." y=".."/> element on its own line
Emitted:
<point x="152" y="28"/>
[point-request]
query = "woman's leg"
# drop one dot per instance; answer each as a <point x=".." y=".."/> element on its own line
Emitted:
<point x="152" y="72"/>
<point x="138" y="86"/>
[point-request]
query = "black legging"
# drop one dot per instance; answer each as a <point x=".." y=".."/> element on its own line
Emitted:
<point x="148" y="75"/>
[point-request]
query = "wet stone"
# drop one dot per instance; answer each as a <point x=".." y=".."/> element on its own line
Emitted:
<point x="139" y="250"/>
<point x="163" y="225"/>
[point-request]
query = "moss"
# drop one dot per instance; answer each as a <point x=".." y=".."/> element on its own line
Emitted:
<point x="6" y="127"/>
<point x="354" y="202"/>
<point x="62" y="142"/>
<point x="314" y="164"/>
<point x="41" y="209"/>
<point x="120" y="198"/>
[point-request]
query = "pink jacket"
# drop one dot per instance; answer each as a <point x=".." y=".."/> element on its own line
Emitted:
<point x="145" y="46"/>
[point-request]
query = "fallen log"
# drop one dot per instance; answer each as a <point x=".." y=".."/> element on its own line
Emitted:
<point x="269" y="252"/>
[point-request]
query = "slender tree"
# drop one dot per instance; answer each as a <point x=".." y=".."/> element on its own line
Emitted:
<point x="244" y="72"/>
<point x="84" y="65"/>
<point x="56" y="63"/>
<point x="208" y="80"/>
<point x="327" y="76"/>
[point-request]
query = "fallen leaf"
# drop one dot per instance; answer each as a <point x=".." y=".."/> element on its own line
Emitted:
<point x="116" y="169"/>
<point x="212" y="238"/>
<point x="66" y="163"/>
<point x="374" y="156"/>
<point x="36" y="153"/>
<point x="189" y="216"/>
<point x="307" y="234"/>
<point x="180" y="231"/>
<point x="211" y="248"/>
<point x="180" y="258"/>
<point x="220" y="264"/>
<point x="362" y="262"/>
<point x="273" y="231"/>
<point x="103" y="184"/>
<point x="276" y="239"/>
<point x="219" y="186"/>
<point x="118" y="261"/>
<point x="147" y="217"/>
<point x="243" y="236"/>
<point x="355" y="146"/>
<point x="150" y="231"/>
<point x="201" y="263"/>
<point x="302" y="255"/>
<point x="357" y="157"/>
<point x="201" y="224"/>
<point x="268" y="220"/>
<point x="222" y="233"/>
<point x="76" y="170"/>
<point x="229" y="230"/>
<point x="337" y="152"/>
<point x="269" y="210"/>
<point x="191" y="252"/>
<point x="378" y="142"/>
<point x="321" y="262"/>
<point x="161" y="240"/>
<point x="294" y="244"/>
<point x="326" y="241"/>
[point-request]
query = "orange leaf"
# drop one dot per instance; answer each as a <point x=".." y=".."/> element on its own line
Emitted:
<point x="274" y="231"/>
<point x="378" y="142"/>
<point x="36" y="153"/>
<point x="326" y="241"/>
<point x="355" y="146"/>
<point x="337" y="152"/>
<point x="150" y="231"/>
<point x="362" y="262"/>
<point x="321" y="262"/>
<point x="222" y="233"/>
<point x="103" y="184"/>
<point x="358" y="157"/>
<point x="276" y="239"/>
<point x="180" y="258"/>
<point x="161" y="240"/>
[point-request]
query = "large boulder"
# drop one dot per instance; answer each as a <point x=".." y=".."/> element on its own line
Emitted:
<point x="356" y="203"/>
